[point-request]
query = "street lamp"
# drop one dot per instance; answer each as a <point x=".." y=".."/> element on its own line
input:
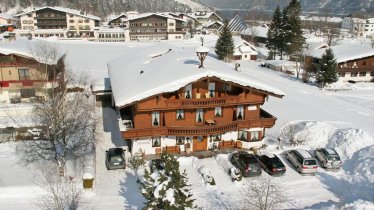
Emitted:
<point x="202" y="52"/>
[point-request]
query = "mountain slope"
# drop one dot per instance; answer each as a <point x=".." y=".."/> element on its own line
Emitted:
<point x="333" y="6"/>
<point x="106" y="7"/>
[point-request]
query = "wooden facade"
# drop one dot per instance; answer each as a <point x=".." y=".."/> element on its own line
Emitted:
<point x="201" y="111"/>
<point x="361" y="69"/>
<point x="22" y="78"/>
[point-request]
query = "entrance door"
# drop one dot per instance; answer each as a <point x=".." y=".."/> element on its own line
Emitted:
<point x="200" y="143"/>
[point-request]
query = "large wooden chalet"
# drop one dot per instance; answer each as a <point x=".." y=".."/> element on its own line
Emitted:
<point x="166" y="103"/>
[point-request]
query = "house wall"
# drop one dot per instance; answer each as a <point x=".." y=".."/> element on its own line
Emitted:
<point x="28" y="21"/>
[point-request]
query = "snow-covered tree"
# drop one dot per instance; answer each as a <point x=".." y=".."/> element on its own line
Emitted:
<point x="225" y="43"/>
<point x="168" y="188"/>
<point x="326" y="72"/>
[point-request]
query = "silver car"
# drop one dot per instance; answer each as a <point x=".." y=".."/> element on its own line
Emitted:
<point x="329" y="158"/>
<point x="303" y="161"/>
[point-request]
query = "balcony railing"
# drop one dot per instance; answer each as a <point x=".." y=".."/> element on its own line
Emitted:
<point x="263" y="122"/>
<point x="194" y="103"/>
<point x="346" y="69"/>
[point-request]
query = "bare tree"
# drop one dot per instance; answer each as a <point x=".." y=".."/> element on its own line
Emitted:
<point x="264" y="195"/>
<point x="66" y="116"/>
<point x="59" y="193"/>
<point x="137" y="160"/>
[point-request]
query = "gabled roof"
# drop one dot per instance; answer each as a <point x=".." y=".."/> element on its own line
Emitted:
<point x="145" y="15"/>
<point x="62" y="9"/>
<point x="24" y="47"/>
<point x="346" y="52"/>
<point x="204" y="15"/>
<point x="166" y="68"/>
<point x="116" y="17"/>
<point x="257" y="31"/>
<point x="237" y="24"/>
<point x="210" y="23"/>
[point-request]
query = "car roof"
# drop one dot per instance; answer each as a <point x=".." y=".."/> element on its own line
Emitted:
<point x="331" y="151"/>
<point x="115" y="151"/>
<point x="304" y="153"/>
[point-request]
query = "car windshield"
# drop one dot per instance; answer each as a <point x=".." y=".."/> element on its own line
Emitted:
<point x="116" y="159"/>
<point x="310" y="162"/>
<point x="277" y="164"/>
<point x="334" y="158"/>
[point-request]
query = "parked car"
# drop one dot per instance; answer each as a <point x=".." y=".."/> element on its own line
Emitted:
<point x="272" y="164"/>
<point x="329" y="158"/>
<point x="115" y="159"/>
<point x="246" y="163"/>
<point x="304" y="162"/>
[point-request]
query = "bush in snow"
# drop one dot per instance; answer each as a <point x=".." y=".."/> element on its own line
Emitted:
<point x="235" y="174"/>
<point x="137" y="160"/>
<point x="168" y="188"/>
<point x="264" y="195"/>
<point x="208" y="178"/>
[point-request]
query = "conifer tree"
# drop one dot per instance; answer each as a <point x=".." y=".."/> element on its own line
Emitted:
<point x="326" y="73"/>
<point x="275" y="34"/>
<point x="170" y="179"/>
<point x="293" y="35"/>
<point x="225" y="43"/>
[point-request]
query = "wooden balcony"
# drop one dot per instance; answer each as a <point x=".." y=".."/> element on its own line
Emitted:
<point x="266" y="121"/>
<point x="346" y="69"/>
<point x="198" y="103"/>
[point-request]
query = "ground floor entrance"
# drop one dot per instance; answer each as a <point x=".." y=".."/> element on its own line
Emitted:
<point x="200" y="143"/>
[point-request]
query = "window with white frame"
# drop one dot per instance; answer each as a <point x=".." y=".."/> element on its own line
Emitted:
<point x="255" y="135"/>
<point x="218" y="111"/>
<point x="188" y="91"/>
<point x="199" y="115"/>
<point x="211" y="89"/>
<point x="155" y="118"/>
<point x="240" y="112"/>
<point x="217" y="137"/>
<point x="242" y="135"/>
<point x="156" y="141"/>
<point x="180" y="114"/>
<point x="180" y="140"/>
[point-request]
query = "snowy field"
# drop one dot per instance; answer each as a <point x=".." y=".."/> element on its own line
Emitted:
<point x="343" y="119"/>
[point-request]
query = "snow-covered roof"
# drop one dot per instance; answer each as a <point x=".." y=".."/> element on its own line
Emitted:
<point x="204" y="15"/>
<point x="115" y="17"/>
<point x="258" y="31"/>
<point x="346" y="52"/>
<point x="24" y="47"/>
<point x="144" y="15"/>
<point x="210" y="23"/>
<point x="320" y="18"/>
<point x="166" y="68"/>
<point x="304" y="153"/>
<point x="6" y="16"/>
<point x="239" y="42"/>
<point x="62" y="9"/>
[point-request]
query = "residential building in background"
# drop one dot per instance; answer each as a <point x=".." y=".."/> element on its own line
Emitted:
<point x="75" y="23"/>
<point x="24" y="73"/>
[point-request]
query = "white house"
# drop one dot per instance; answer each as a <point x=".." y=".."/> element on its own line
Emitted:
<point x="244" y="50"/>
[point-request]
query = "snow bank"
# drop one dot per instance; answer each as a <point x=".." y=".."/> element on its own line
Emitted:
<point x="361" y="165"/>
<point x="316" y="134"/>
<point x="347" y="141"/>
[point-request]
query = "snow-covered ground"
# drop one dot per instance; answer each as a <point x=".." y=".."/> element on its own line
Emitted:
<point x="329" y="118"/>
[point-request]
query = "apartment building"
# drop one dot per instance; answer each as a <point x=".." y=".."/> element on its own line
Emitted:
<point x="75" y="22"/>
